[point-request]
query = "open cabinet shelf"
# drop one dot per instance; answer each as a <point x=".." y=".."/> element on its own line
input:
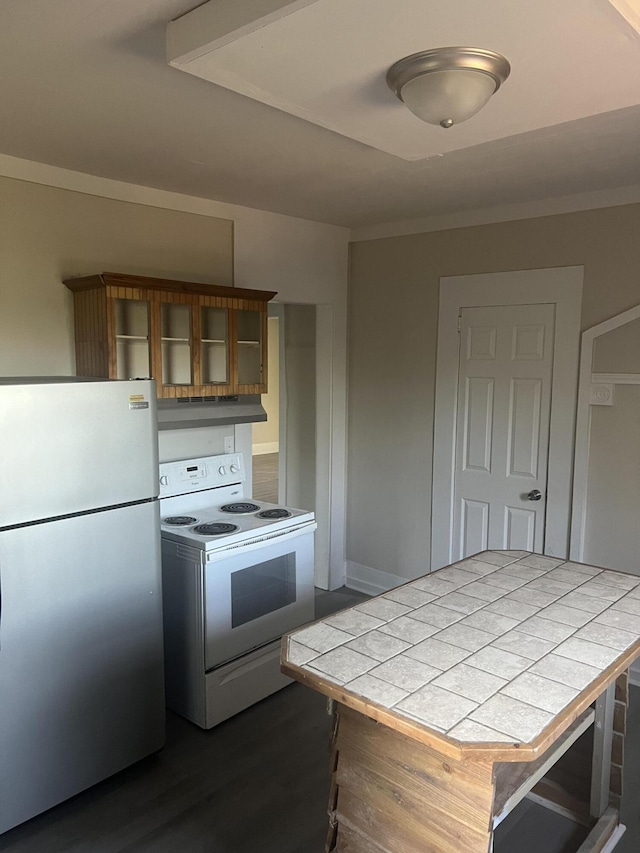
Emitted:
<point x="193" y="339"/>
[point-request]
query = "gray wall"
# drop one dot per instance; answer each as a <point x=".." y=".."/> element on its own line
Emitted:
<point x="612" y="524"/>
<point x="393" y="313"/>
<point x="78" y="224"/>
<point x="48" y="234"/>
<point x="299" y="326"/>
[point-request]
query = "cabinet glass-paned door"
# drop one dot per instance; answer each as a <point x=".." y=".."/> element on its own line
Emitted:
<point x="132" y="339"/>
<point x="176" y="344"/>
<point x="249" y="324"/>
<point x="214" y="360"/>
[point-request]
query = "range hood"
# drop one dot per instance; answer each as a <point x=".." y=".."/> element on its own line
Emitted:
<point x="192" y="412"/>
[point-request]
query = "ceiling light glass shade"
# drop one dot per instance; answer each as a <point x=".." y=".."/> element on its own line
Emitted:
<point x="448" y="97"/>
<point x="448" y="85"/>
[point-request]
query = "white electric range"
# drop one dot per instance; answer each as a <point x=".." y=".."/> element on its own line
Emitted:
<point x="237" y="574"/>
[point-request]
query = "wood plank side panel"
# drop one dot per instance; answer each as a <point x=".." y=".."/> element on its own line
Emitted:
<point x="401" y="795"/>
<point x="99" y="323"/>
<point x="112" y="349"/>
<point x="233" y="345"/>
<point x="622" y="688"/>
<point x="332" y="831"/>
<point x="110" y="320"/>
<point x="86" y="346"/>
<point x="90" y="334"/>
<point x="377" y="810"/>
<point x="85" y="350"/>
<point x="155" y="344"/>
<point x="620" y="712"/>
<point x="353" y="842"/>
<point x="82" y="325"/>
<point x="196" y="340"/>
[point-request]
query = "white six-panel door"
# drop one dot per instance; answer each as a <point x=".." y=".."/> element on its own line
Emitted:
<point x="502" y="434"/>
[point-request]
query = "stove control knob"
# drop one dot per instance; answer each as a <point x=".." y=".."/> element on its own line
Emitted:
<point x="222" y="470"/>
<point x="234" y="469"/>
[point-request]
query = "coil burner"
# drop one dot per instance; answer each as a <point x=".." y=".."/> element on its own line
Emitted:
<point x="179" y="520"/>
<point x="216" y="528"/>
<point x="241" y="507"/>
<point x="276" y="512"/>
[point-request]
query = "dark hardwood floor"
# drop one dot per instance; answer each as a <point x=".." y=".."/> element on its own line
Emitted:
<point x="254" y="784"/>
<point x="258" y="783"/>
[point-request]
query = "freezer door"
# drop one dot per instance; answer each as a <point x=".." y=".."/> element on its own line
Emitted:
<point x="81" y="663"/>
<point x="73" y="446"/>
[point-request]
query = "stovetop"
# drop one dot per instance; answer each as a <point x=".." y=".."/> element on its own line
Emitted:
<point x="201" y="530"/>
<point x="202" y="504"/>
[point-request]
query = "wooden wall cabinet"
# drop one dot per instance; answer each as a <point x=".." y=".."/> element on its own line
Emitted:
<point x="193" y="339"/>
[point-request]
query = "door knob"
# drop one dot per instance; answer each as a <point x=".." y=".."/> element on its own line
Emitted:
<point x="534" y="495"/>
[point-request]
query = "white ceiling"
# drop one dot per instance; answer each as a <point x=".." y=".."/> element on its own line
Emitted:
<point x="86" y="86"/>
<point x="326" y="61"/>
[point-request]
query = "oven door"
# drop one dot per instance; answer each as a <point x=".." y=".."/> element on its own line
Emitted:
<point x="256" y="592"/>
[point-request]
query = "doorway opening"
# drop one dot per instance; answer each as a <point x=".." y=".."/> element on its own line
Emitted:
<point x="284" y="447"/>
<point x="265" y="436"/>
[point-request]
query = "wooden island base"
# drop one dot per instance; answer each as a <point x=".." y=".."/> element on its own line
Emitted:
<point x="390" y="793"/>
<point x="458" y="694"/>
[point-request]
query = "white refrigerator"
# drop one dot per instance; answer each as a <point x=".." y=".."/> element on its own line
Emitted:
<point x="81" y="660"/>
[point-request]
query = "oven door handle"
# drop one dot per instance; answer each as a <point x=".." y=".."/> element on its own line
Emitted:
<point x="223" y="552"/>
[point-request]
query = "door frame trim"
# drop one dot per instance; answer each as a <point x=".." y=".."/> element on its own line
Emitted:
<point x="588" y="380"/>
<point x="561" y="286"/>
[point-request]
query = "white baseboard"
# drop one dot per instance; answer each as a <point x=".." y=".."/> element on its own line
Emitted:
<point x="370" y="581"/>
<point x="267" y="447"/>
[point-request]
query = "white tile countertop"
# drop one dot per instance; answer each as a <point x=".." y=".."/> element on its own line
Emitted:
<point x="488" y="651"/>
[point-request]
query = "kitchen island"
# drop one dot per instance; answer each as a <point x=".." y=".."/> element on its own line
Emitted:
<point x="461" y="692"/>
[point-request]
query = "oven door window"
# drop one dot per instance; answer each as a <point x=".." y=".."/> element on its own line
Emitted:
<point x="254" y="595"/>
<point x="263" y="588"/>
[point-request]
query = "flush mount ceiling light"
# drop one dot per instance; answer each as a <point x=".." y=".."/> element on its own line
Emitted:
<point x="449" y="84"/>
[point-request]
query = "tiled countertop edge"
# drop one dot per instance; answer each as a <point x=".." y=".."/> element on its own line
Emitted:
<point x="429" y="625"/>
<point x="498" y="752"/>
